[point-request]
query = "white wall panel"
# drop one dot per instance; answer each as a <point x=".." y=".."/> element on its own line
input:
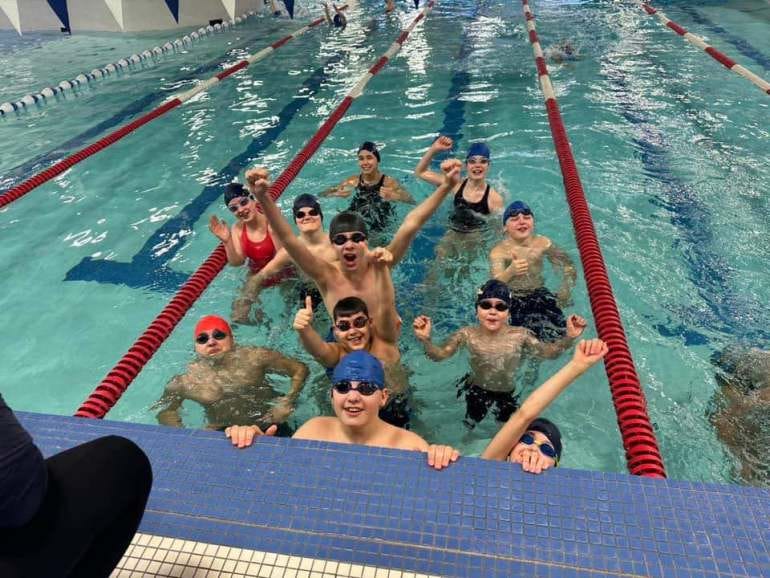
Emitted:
<point x="199" y="12"/>
<point x="147" y="15"/>
<point x="94" y="15"/>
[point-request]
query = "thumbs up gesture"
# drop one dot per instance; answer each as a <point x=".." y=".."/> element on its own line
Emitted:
<point x="304" y="316"/>
<point x="520" y="266"/>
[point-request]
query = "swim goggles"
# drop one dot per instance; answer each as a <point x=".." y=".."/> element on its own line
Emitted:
<point x="216" y="334"/>
<point x="310" y="213"/>
<point x="484" y="304"/>
<point x="342" y="238"/>
<point x="364" y="387"/>
<point x="545" y="448"/>
<point x="242" y="202"/>
<point x="358" y="323"/>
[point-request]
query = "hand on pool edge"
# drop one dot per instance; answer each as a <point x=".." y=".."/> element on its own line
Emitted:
<point x="440" y="457"/>
<point x="243" y="436"/>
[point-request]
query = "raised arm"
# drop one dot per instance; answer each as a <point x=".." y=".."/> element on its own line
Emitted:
<point x="422" y="327"/>
<point x="317" y="269"/>
<point x="171" y="401"/>
<point x="422" y="212"/>
<point x="587" y="353"/>
<point x="388" y="324"/>
<point x="553" y="349"/>
<point x="229" y="238"/>
<point x="327" y="354"/>
<point x="422" y="170"/>
<point x="561" y="260"/>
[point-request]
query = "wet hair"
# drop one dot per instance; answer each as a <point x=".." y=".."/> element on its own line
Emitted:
<point x="349" y="306"/>
<point x="233" y="191"/>
<point x="370" y="147"/>
<point x="347" y="222"/>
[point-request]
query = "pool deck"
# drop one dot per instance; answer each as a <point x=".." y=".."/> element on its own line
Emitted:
<point x="386" y="508"/>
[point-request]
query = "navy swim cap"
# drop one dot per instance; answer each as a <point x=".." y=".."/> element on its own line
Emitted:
<point x="478" y="149"/>
<point x="347" y="222"/>
<point x="235" y="190"/>
<point x="516" y="208"/>
<point x="494" y="289"/>
<point x="306" y="200"/>
<point x="372" y="148"/>
<point x="360" y="366"/>
<point x="549" y="429"/>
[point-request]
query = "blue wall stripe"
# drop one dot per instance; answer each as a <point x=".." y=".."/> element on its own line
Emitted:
<point x="60" y="8"/>
<point x="173" y="6"/>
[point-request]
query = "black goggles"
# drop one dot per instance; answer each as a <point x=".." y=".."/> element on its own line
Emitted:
<point x="484" y="304"/>
<point x="358" y="323"/>
<point x="545" y="448"/>
<point x="216" y="334"/>
<point x="300" y="214"/>
<point x="342" y="238"/>
<point x="241" y="202"/>
<point x="364" y="387"/>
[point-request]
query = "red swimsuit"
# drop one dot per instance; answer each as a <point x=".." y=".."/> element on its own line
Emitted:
<point x="259" y="254"/>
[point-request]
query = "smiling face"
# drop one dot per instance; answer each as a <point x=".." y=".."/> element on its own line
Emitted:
<point x="244" y="208"/>
<point x="477" y="167"/>
<point x="492" y="313"/>
<point x="368" y="163"/>
<point x="213" y="343"/>
<point x="308" y="219"/>
<point x="353" y="332"/>
<point x="357" y="410"/>
<point x="350" y="248"/>
<point x="520" y="227"/>
<point x="522" y="452"/>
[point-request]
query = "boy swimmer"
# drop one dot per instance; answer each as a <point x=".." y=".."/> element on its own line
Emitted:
<point x="229" y="381"/>
<point x="495" y="351"/>
<point x="518" y="261"/>
<point x="353" y="274"/>
<point x="339" y="20"/>
<point x="358" y="393"/>
<point x="535" y="442"/>
<point x="309" y="220"/>
<point x="354" y="330"/>
<point x="372" y="190"/>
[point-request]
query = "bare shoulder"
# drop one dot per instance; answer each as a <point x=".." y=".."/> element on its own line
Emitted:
<point x="499" y="250"/>
<point x="322" y="428"/>
<point x="543" y="242"/>
<point x="407" y="440"/>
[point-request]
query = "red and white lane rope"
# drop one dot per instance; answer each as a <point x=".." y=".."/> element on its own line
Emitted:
<point x="642" y="454"/>
<point x="58" y="168"/>
<point x="720" y="57"/>
<point x="109" y="391"/>
<point x="123" y="64"/>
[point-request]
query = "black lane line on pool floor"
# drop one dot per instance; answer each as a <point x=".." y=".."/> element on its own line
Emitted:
<point x="149" y="267"/>
<point x="24" y="171"/>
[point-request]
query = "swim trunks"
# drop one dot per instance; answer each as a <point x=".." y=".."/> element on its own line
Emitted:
<point x="539" y="312"/>
<point x="465" y="217"/>
<point x="478" y="401"/>
<point x="367" y="202"/>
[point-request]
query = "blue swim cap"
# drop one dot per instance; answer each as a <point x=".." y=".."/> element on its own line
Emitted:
<point x="478" y="149"/>
<point x="494" y="289"/>
<point x="360" y="366"/>
<point x="516" y="208"/>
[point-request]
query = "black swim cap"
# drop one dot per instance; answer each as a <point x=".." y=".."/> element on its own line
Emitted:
<point x="494" y="289"/>
<point x="372" y="148"/>
<point x="549" y="429"/>
<point x="347" y="222"/>
<point x="306" y="200"/>
<point x="235" y="190"/>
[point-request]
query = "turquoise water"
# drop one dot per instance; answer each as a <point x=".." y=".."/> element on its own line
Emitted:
<point x="671" y="147"/>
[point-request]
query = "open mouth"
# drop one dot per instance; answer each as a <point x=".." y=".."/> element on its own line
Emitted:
<point x="349" y="258"/>
<point x="356" y="340"/>
<point x="353" y="411"/>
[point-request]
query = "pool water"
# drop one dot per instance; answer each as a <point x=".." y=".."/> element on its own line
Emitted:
<point x="671" y="147"/>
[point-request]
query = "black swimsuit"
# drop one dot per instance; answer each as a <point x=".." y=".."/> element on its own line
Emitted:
<point x="465" y="217"/>
<point x="367" y="202"/>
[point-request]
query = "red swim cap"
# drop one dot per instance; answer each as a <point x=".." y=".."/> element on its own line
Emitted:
<point x="211" y="322"/>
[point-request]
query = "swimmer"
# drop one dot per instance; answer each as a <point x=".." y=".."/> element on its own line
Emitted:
<point x="352" y="275"/>
<point x="495" y="350"/>
<point x="518" y="261"/>
<point x="532" y="441"/>
<point x="390" y="6"/>
<point x="372" y="190"/>
<point x="250" y="238"/>
<point x="229" y="381"/>
<point x="339" y="20"/>
<point x="274" y="7"/>
<point x="354" y="330"/>
<point x="741" y="419"/>
<point x="562" y="52"/>
<point x="358" y="393"/>
<point x="308" y="217"/>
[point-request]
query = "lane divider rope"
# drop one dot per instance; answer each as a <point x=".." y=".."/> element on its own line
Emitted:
<point x="58" y="168"/>
<point x="121" y="65"/>
<point x="642" y="455"/>
<point x="109" y="391"/>
<point x="698" y="41"/>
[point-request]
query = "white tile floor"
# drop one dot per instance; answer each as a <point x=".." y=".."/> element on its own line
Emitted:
<point x="150" y="556"/>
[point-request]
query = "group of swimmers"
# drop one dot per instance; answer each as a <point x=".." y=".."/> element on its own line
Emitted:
<point x="337" y="270"/>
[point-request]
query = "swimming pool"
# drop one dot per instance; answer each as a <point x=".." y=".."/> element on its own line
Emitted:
<point x="670" y="149"/>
